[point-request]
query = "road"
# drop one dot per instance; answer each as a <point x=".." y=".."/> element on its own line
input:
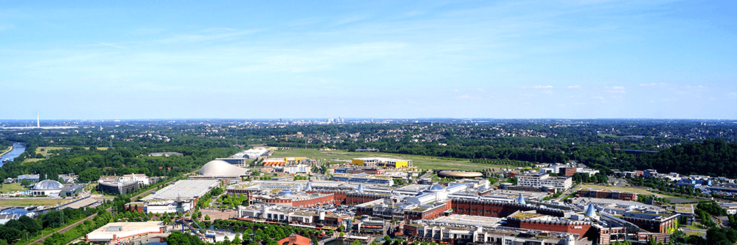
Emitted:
<point x="75" y="224"/>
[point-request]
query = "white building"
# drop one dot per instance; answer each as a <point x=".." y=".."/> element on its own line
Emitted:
<point x="301" y="168"/>
<point x="142" y="179"/>
<point x="114" y="233"/>
<point x="178" y="197"/>
<point x="251" y="153"/>
<point x="539" y="180"/>
<point x="590" y="172"/>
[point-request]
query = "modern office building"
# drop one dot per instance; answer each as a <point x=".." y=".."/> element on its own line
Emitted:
<point x="561" y="183"/>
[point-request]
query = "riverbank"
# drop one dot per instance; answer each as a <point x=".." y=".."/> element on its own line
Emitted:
<point x="10" y="148"/>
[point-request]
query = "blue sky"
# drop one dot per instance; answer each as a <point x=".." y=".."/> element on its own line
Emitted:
<point x="386" y="59"/>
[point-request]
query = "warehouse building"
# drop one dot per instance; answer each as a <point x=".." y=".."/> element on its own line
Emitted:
<point x="120" y="231"/>
<point x="178" y="197"/>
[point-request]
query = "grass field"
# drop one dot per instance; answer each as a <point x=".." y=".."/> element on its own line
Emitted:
<point x="5" y="151"/>
<point x="423" y="162"/>
<point x="618" y="188"/>
<point x="33" y="160"/>
<point x="12" y="187"/>
<point x="29" y="201"/>
<point x="608" y="135"/>
<point x="42" y="149"/>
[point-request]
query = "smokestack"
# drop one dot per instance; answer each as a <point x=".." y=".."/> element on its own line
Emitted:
<point x="38" y="120"/>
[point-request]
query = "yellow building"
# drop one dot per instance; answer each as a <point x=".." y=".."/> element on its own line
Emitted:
<point x="381" y="162"/>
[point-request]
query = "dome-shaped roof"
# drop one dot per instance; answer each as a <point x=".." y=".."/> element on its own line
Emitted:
<point x="220" y="168"/>
<point x="308" y="187"/>
<point x="436" y="187"/>
<point x="285" y="193"/>
<point x="48" y="185"/>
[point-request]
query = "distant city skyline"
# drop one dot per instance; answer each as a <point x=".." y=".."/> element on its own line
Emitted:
<point x="586" y="59"/>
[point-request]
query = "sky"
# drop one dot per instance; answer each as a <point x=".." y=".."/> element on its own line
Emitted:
<point x="361" y="59"/>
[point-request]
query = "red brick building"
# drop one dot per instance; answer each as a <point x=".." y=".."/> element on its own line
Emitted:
<point x="578" y="227"/>
<point x="567" y="171"/>
<point x="608" y="194"/>
<point x="497" y="209"/>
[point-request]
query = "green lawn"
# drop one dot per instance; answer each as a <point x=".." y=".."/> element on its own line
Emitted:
<point x="12" y="187"/>
<point x="423" y="162"/>
<point x="608" y="136"/>
<point x="33" y="160"/>
<point x="694" y="226"/>
<point x="26" y="201"/>
<point x="42" y="149"/>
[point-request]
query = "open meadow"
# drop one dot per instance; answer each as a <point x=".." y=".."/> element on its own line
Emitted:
<point x="43" y="150"/>
<point x="11" y="187"/>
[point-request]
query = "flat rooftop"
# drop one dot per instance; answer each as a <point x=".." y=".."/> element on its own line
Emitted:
<point x="80" y="203"/>
<point x="684" y="208"/>
<point x="186" y="189"/>
<point x="124" y="229"/>
<point x="468" y="219"/>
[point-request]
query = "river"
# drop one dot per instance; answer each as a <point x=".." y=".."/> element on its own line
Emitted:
<point x="17" y="150"/>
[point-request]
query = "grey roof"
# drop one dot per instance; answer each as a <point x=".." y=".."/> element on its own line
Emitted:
<point x="115" y="228"/>
<point x="436" y="187"/>
<point x="48" y="185"/>
<point x="285" y="193"/>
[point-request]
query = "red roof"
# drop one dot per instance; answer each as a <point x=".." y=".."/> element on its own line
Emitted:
<point x="295" y="239"/>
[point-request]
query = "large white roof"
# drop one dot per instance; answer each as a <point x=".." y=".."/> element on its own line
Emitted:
<point x="48" y="185"/>
<point x="220" y="168"/>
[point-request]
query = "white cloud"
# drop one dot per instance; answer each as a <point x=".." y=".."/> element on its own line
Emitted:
<point x="464" y="96"/>
<point x="542" y="87"/>
<point x="481" y="90"/>
<point x="575" y="86"/>
<point x="615" y="89"/>
<point x="651" y="84"/>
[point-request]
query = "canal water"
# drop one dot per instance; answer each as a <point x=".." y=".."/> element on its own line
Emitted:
<point x="17" y="150"/>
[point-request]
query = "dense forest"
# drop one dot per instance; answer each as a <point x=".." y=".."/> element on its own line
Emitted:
<point x="712" y="157"/>
<point x="125" y="158"/>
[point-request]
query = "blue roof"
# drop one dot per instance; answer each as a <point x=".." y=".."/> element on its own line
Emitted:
<point x="521" y="199"/>
<point x="436" y="187"/>
<point x="590" y="210"/>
